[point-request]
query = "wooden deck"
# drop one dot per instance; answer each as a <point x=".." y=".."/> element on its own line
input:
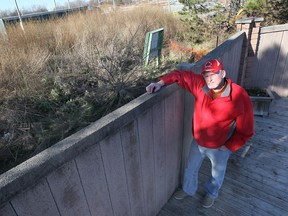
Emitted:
<point x="254" y="185"/>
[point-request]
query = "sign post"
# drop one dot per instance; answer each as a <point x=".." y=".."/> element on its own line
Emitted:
<point x="19" y="15"/>
<point x="153" y="46"/>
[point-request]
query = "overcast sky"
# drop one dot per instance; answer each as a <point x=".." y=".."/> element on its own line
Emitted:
<point x="28" y="4"/>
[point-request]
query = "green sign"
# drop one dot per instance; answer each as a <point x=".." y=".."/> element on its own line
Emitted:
<point x="153" y="46"/>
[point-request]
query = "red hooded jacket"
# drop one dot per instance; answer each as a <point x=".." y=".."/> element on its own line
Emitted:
<point x="227" y="120"/>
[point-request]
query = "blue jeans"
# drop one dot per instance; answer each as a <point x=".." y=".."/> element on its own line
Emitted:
<point x="218" y="160"/>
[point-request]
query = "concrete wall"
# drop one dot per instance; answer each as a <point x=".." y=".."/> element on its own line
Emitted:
<point x="127" y="163"/>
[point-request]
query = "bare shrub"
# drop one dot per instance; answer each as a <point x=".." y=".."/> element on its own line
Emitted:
<point x="65" y="73"/>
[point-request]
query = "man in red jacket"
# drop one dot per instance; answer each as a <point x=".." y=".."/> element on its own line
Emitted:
<point x="223" y="121"/>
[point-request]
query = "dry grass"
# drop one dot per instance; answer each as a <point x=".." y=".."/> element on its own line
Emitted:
<point x="62" y="45"/>
<point x="64" y="73"/>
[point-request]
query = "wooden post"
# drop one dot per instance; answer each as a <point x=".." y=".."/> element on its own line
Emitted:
<point x="55" y="5"/>
<point x="217" y="41"/>
<point x="69" y="6"/>
<point x="19" y="15"/>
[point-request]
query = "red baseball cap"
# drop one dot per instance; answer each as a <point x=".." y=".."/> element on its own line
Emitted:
<point x="212" y="65"/>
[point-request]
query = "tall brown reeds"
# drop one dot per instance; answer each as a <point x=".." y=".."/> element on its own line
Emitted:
<point x="64" y="73"/>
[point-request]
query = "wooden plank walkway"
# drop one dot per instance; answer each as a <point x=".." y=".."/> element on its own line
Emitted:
<point x="254" y="185"/>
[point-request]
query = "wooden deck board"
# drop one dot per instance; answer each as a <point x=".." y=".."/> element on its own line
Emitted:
<point x="254" y="185"/>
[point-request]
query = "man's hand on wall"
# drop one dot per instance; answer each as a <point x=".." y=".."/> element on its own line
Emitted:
<point x="154" y="87"/>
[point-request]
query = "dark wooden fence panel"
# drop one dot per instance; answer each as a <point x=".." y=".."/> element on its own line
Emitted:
<point x="173" y="112"/>
<point x="7" y="210"/>
<point x="231" y="60"/>
<point x="280" y="79"/>
<point x="131" y="150"/>
<point x="65" y="185"/>
<point x="161" y="194"/>
<point x="187" y="130"/>
<point x="113" y="159"/>
<point x="269" y="48"/>
<point x="92" y="174"/>
<point x="145" y="127"/>
<point x="36" y="201"/>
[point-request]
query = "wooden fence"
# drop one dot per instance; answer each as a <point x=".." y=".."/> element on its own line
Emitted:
<point x="271" y="70"/>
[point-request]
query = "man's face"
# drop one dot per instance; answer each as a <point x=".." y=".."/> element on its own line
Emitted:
<point x="214" y="80"/>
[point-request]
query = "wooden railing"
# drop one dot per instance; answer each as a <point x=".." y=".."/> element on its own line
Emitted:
<point x="127" y="163"/>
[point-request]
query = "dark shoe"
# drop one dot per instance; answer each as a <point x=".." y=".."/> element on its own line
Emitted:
<point x="180" y="194"/>
<point x="208" y="202"/>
